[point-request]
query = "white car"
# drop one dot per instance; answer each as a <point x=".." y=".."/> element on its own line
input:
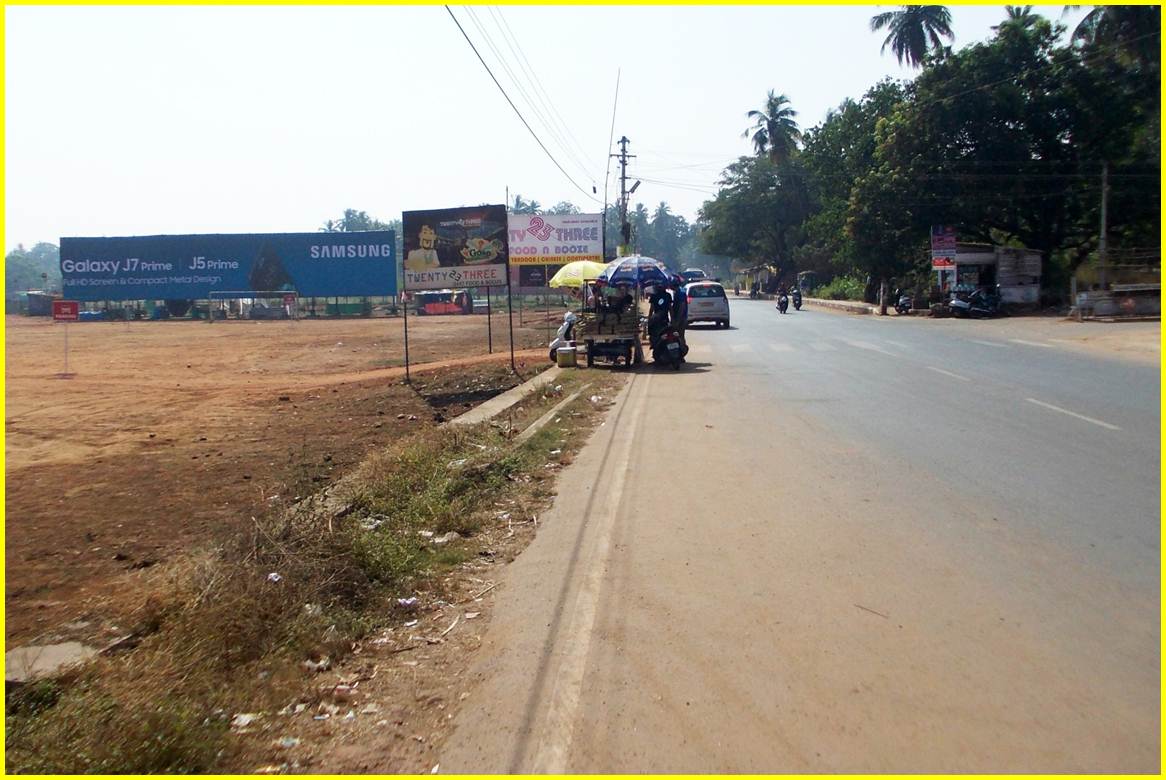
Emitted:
<point x="707" y="302"/>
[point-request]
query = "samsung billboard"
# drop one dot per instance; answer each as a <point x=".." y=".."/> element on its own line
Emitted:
<point x="192" y="267"/>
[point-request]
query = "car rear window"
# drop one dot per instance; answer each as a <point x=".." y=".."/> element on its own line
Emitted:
<point x="706" y="291"/>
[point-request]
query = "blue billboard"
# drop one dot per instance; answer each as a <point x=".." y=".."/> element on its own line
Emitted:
<point x="320" y="265"/>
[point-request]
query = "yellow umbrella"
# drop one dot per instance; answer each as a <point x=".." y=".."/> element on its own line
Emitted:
<point x="575" y="273"/>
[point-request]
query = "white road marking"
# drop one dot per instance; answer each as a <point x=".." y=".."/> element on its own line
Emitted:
<point x="1033" y="343"/>
<point x="868" y="345"/>
<point x="948" y="373"/>
<point x="822" y="346"/>
<point x="1073" y="414"/>
<point x="742" y="347"/>
<point x="988" y="343"/>
<point x="700" y="349"/>
<point x="574" y="644"/>
<point x="898" y="344"/>
<point x="778" y="346"/>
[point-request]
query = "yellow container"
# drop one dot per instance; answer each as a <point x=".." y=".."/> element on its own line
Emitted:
<point x="565" y="357"/>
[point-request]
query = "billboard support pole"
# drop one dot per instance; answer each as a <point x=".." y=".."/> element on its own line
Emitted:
<point x="547" y="300"/>
<point x="510" y="317"/>
<point x="489" y="325"/>
<point x="408" y="379"/>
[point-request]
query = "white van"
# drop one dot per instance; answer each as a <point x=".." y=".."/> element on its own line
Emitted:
<point x="707" y="302"/>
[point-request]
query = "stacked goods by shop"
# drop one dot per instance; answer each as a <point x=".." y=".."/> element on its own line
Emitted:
<point x="608" y="322"/>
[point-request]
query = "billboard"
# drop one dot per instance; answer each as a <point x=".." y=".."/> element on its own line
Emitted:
<point x="943" y="239"/>
<point x="555" y="239"/>
<point x="461" y="247"/>
<point x="533" y="279"/>
<point x="191" y="267"/>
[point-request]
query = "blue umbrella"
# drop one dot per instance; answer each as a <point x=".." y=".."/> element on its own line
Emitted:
<point x="637" y="270"/>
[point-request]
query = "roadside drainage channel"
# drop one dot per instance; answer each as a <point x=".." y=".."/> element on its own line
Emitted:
<point x="538" y="424"/>
<point x="501" y="403"/>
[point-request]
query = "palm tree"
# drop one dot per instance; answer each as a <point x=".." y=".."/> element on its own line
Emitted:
<point x="1018" y="16"/>
<point x="774" y="130"/>
<point x="522" y="206"/>
<point x="1134" y="30"/>
<point x="914" y="31"/>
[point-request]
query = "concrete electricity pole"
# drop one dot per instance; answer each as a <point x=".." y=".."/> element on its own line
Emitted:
<point x="625" y="228"/>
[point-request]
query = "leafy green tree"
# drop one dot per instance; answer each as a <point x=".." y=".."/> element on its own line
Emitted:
<point x="757" y="215"/>
<point x="37" y="268"/>
<point x="836" y="154"/>
<point x="564" y="207"/>
<point x="354" y="220"/>
<point x="914" y="31"/>
<point x="774" y="131"/>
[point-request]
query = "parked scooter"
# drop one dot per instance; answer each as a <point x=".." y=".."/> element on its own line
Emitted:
<point x="666" y="347"/>
<point x="565" y="336"/>
<point x="904" y="304"/>
<point x="797" y="299"/>
<point x="979" y="303"/>
<point x="663" y="337"/>
<point x="782" y="302"/>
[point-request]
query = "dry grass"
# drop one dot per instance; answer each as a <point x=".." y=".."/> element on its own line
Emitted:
<point x="227" y="630"/>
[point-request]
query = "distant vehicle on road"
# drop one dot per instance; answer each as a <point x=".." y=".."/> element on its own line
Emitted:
<point x="444" y="302"/>
<point x="707" y="302"/>
<point x="693" y="274"/>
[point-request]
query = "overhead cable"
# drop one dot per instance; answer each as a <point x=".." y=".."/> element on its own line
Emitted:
<point x="516" y="111"/>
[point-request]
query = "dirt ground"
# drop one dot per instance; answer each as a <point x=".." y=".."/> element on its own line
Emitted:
<point x="172" y="433"/>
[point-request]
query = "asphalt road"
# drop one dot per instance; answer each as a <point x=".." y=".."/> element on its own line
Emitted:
<point x="842" y="544"/>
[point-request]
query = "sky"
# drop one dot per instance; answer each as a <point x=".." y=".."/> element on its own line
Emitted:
<point x="150" y="120"/>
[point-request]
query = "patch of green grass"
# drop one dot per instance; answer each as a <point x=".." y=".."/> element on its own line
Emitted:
<point x="95" y="729"/>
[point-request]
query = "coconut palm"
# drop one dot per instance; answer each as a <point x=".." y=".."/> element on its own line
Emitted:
<point x="1132" y="29"/>
<point x="914" y="31"/>
<point x="1018" y="16"/>
<point x="774" y="130"/>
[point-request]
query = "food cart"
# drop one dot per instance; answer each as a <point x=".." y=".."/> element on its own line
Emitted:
<point x="611" y="324"/>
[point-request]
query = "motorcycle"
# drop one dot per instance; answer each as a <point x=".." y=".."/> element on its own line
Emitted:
<point x="667" y="349"/>
<point x="565" y="335"/>
<point x="797" y="299"/>
<point x="904" y="304"/>
<point x="979" y="303"/>
<point x="663" y="337"/>
<point x="782" y="303"/>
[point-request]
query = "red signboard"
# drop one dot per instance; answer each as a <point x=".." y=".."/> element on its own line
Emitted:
<point x="66" y="311"/>
<point x="941" y="262"/>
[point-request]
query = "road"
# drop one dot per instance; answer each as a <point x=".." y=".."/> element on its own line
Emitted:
<point x="841" y="544"/>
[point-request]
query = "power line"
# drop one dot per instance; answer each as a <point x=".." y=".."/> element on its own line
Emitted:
<point x="532" y="76"/>
<point x="501" y="60"/>
<point x="539" y="114"/>
<point x="516" y="111"/>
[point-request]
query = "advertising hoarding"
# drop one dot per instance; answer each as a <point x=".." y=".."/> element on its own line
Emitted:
<point x="191" y="267"/>
<point x="943" y="239"/>
<point x="460" y="247"/>
<point x="532" y="279"/>
<point x="555" y="239"/>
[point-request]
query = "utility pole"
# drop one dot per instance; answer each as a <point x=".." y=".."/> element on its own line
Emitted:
<point x="1104" y="201"/>
<point x="625" y="227"/>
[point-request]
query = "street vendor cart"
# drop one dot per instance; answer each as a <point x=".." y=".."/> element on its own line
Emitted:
<point x="611" y="327"/>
